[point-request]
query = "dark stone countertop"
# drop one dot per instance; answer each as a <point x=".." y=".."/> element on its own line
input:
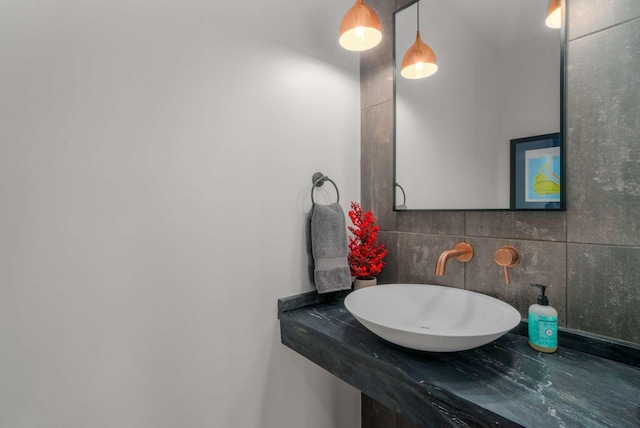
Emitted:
<point x="501" y="384"/>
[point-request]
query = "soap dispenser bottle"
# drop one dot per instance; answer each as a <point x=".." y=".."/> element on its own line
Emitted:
<point x="543" y="324"/>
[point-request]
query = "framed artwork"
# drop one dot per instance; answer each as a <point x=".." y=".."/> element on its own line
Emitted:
<point x="537" y="173"/>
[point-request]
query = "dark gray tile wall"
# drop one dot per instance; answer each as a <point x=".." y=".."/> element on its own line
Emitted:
<point x="436" y="222"/>
<point x="549" y="226"/>
<point x="603" y="119"/>
<point x="417" y="257"/>
<point x="590" y="16"/>
<point x="376" y="65"/>
<point x="377" y="137"/>
<point x="590" y="254"/>
<point x="602" y="289"/>
<point x="591" y="246"/>
<point x="541" y="262"/>
<point x="389" y="274"/>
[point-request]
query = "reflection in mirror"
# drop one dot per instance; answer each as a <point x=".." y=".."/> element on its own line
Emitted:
<point x="498" y="79"/>
<point x="401" y="204"/>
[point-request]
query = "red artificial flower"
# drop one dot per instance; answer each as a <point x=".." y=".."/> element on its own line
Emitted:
<point x="365" y="254"/>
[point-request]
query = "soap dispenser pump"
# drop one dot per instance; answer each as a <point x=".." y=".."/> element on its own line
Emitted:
<point x="543" y="324"/>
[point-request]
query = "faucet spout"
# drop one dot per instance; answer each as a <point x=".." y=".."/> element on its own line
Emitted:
<point x="461" y="252"/>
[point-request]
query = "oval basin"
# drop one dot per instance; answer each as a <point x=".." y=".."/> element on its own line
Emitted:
<point x="431" y="317"/>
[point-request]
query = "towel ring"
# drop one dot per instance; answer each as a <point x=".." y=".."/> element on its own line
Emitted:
<point x="318" y="180"/>
<point x="404" y="195"/>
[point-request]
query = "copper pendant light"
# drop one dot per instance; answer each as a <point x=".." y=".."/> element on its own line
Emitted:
<point x="554" y="14"/>
<point x="360" y="29"/>
<point x="420" y="60"/>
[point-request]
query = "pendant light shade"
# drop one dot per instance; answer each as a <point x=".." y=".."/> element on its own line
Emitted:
<point x="360" y="29"/>
<point x="554" y="14"/>
<point x="420" y="60"/>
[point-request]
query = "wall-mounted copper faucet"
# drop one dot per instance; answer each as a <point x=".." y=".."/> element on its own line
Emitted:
<point x="507" y="257"/>
<point x="461" y="252"/>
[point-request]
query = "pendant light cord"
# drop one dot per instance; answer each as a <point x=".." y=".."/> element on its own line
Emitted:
<point x="418" y="16"/>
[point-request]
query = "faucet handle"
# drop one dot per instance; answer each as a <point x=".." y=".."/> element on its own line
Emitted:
<point x="507" y="257"/>
<point x="465" y="252"/>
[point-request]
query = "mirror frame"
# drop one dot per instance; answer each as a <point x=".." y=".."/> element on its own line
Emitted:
<point x="562" y="130"/>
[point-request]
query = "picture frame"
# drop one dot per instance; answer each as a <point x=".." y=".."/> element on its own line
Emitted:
<point x="537" y="173"/>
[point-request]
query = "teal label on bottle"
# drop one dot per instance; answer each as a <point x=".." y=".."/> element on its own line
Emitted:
<point x="543" y="331"/>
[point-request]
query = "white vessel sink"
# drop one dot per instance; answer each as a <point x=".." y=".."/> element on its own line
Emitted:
<point x="431" y="317"/>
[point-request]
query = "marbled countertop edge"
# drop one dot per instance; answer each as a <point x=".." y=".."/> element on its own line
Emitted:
<point x="583" y="341"/>
<point x="504" y="383"/>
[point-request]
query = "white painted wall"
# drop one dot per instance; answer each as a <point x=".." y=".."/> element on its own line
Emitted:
<point x="155" y="168"/>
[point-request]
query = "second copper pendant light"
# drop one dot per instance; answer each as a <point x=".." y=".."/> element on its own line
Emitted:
<point x="420" y="60"/>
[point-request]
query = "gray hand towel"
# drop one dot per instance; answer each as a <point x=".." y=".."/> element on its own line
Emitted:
<point x="329" y="247"/>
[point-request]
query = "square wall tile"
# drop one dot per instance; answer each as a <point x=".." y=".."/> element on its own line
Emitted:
<point x="376" y="65"/>
<point x="389" y="274"/>
<point x="376" y="174"/>
<point x="418" y="255"/>
<point x="589" y="16"/>
<point x="603" y="290"/>
<point x="603" y="154"/>
<point x="539" y="225"/>
<point x="440" y="222"/>
<point x="541" y="262"/>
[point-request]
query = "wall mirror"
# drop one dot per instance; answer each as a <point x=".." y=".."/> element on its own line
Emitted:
<point x="499" y="78"/>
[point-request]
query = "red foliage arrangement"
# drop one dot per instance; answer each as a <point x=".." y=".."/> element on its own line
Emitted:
<point x="365" y="254"/>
